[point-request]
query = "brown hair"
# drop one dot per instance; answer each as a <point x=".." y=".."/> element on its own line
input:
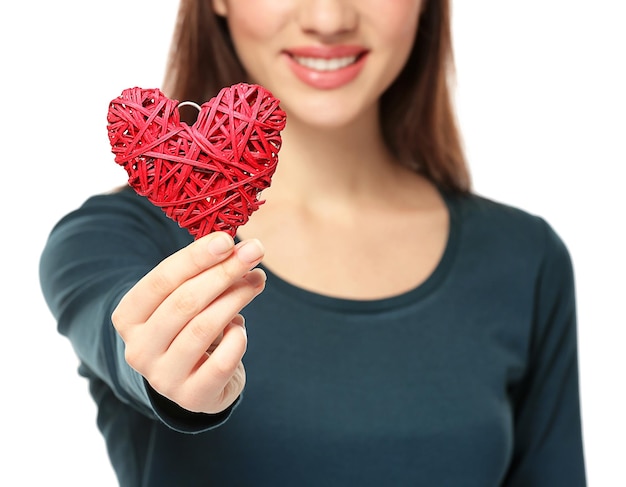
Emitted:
<point x="417" y="116"/>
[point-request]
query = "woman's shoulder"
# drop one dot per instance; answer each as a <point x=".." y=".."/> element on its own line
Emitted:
<point x="499" y="216"/>
<point x="124" y="202"/>
<point x="491" y="211"/>
<point x="121" y="196"/>
<point x="121" y="211"/>
<point x="491" y="224"/>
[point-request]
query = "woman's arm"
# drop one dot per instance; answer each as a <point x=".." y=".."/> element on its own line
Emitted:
<point x="548" y="448"/>
<point x="119" y="249"/>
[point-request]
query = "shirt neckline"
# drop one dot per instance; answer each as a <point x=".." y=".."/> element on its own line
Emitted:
<point x="431" y="283"/>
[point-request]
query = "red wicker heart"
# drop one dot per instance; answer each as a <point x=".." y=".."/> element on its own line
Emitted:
<point x="207" y="176"/>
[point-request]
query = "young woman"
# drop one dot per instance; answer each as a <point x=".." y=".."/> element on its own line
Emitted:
<point x="400" y="330"/>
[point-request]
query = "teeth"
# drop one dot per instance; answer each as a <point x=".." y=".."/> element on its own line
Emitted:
<point x="319" y="64"/>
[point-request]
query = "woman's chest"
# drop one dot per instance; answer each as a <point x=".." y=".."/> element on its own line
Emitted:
<point x="426" y="392"/>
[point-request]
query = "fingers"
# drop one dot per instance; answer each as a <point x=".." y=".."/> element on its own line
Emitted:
<point x="223" y="368"/>
<point x="170" y="287"/>
<point x="193" y="296"/>
<point x="217" y="379"/>
<point x="141" y="301"/>
<point x="181" y="321"/>
<point x="205" y="329"/>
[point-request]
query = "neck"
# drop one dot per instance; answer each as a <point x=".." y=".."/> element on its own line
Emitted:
<point x="331" y="163"/>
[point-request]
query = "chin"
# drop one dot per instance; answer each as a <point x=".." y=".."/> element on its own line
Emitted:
<point x="324" y="117"/>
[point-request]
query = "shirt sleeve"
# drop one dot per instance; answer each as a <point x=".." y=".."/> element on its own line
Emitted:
<point x="92" y="257"/>
<point x="548" y="448"/>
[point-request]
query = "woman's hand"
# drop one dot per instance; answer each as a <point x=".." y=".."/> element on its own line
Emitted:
<point x="181" y="322"/>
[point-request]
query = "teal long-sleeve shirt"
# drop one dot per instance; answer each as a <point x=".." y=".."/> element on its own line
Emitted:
<point x="468" y="380"/>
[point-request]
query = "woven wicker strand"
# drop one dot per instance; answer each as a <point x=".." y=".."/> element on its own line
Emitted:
<point x="207" y="176"/>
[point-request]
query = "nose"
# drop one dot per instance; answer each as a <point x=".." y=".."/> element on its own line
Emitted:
<point x="327" y="18"/>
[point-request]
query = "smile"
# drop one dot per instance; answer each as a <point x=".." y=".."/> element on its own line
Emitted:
<point x="326" y="67"/>
<point x="321" y="64"/>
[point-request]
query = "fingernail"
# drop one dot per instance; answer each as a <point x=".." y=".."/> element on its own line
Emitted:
<point x="220" y="244"/>
<point x="256" y="278"/>
<point x="238" y="320"/>
<point x="250" y="251"/>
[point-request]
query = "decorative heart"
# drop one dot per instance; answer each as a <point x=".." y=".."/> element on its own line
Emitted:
<point x="207" y="176"/>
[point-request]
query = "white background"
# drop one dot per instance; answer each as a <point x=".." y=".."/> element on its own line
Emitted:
<point x="542" y="106"/>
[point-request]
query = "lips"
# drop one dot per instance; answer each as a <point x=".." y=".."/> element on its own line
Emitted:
<point x="326" y="67"/>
